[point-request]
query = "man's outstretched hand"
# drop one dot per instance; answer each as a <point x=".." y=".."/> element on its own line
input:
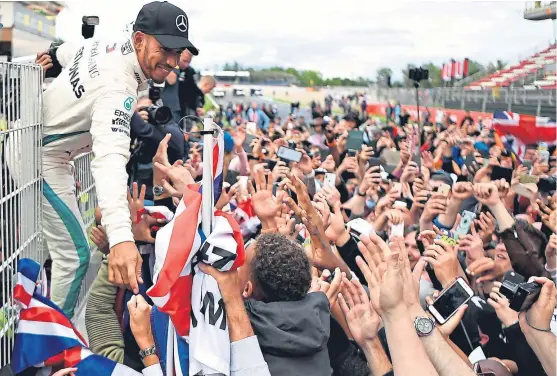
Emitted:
<point x="124" y="266"/>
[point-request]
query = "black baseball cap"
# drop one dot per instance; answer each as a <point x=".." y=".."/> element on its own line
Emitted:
<point x="167" y="23"/>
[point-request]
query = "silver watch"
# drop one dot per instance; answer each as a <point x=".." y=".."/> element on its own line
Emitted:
<point x="424" y="326"/>
<point x="158" y="190"/>
<point x="148" y="351"/>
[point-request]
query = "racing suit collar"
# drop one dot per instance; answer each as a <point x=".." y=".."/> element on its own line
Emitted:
<point x="134" y="68"/>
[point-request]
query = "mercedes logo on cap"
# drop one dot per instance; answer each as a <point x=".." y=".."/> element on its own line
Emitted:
<point x="182" y="23"/>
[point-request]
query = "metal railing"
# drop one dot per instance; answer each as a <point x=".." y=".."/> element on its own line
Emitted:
<point x="87" y="202"/>
<point x="534" y="102"/>
<point x="21" y="188"/>
<point x="21" y="192"/>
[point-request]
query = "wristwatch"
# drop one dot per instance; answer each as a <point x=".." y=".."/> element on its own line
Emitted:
<point x="148" y="351"/>
<point x="157" y="190"/>
<point x="424" y="326"/>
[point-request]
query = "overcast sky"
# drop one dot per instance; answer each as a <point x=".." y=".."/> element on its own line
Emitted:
<point x="348" y="38"/>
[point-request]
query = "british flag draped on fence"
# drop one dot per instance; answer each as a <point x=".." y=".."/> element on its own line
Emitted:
<point x="183" y="293"/>
<point x="45" y="337"/>
<point x="527" y="129"/>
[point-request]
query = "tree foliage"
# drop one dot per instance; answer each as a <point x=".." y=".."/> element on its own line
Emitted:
<point x="313" y="78"/>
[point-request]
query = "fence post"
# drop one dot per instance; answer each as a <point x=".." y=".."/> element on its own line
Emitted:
<point x="484" y="101"/>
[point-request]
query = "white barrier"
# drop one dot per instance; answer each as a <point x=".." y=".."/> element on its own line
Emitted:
<point x="20" y="185"/>
<point x="21" y="191"/>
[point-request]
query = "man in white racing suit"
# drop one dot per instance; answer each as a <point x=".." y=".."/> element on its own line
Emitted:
<point x="89" y="106"/>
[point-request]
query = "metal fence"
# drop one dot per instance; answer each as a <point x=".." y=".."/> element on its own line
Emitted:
<point x="21" y="192"/>
<point x="533" y="102"/>
<point x="21" y="188"/>
<point x="87" y="201"/>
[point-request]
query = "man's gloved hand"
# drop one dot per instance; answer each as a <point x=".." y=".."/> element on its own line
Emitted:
<point x="124" y="266"/>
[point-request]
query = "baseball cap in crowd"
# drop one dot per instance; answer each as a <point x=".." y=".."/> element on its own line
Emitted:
<point x="228" y="142"/>
<point x="167" y="23"/>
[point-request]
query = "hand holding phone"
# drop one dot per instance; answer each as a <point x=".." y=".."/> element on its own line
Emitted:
<point x="450" y="300"/>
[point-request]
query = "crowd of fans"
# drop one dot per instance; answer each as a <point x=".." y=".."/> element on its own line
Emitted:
<point x="348" y="245"/>
<point x="323" y="298"/>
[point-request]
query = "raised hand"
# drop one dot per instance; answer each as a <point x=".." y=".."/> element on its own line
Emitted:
<point x="264" y="203"/>
<point x="487" y="194"/>
<point x="501" y="306"/>
<point x="448" y="327"/>
<point x="178" y="175"/>
<point x="136" y="202"/>
<point x="436" y="205"/>
<point x="383" y="277"/>
<point x="161" y="157"/>
<point x="363" y="321"/>
<point x="443" y="257"/>
<point x="486" y="224"/>
<point x="462" y="191"/>
<point x="472" y="245"/>
<point x="140" y="321"/>
<point x="331" y="289"/>
<point x="490" y="269"/>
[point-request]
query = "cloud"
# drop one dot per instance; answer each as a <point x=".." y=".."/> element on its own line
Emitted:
<point x="339" y="38"/>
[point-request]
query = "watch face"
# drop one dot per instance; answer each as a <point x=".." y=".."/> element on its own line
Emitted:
<point x="424" y="325"/>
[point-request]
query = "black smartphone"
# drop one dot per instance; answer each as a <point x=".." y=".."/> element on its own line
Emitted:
<point x="502" y="173"/>
<point x="271" y="163"/>
<point x="324" y="153"/>
<point x="355" y="140"/>
<point x="547" y="185"/>
<point x="469" y="161"/>
<point x="527" y="164"/>
<point x="288" y="154"/>
<point x="374" y="162"/>
<point x="248" y="141"/>
<point x="232" y="177"/>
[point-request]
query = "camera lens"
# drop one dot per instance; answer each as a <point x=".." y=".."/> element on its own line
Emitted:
<point x="162" y="115"/>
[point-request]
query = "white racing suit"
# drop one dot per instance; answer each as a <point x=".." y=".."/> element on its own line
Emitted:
<point x="88" y="106"/>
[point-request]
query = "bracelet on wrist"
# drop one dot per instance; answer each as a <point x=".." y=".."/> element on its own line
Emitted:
<point x="548" y="330"/>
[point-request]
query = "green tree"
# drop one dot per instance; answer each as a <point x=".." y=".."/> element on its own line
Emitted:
<point x="474" y="67"/>
<point x="382" y="74"/>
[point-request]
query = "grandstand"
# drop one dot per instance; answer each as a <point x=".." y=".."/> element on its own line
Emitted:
<point x="536" y="72"/>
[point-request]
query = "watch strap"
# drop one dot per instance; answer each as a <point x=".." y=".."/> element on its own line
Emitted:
<point x="157" y="190"/>
<point x="148" y="351"/>
<point x="419" y="332"/>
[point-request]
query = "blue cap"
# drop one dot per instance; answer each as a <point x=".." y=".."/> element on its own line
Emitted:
<point x="228" y="142"/>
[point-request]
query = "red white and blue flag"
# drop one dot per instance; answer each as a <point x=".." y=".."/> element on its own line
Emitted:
<point x="244" y="214"/>
<point x="528" y="129"/>
<point x="184" y="293"/>
<point x="46" y="338"/>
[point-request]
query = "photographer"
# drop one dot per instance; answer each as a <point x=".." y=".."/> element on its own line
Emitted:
<point x="146" y="134"/>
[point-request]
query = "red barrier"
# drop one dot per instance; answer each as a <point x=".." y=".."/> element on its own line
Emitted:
<point x="381" y="109"/>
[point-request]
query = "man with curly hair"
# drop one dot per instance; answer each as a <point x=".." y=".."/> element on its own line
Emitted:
<point x="291" y="325"/>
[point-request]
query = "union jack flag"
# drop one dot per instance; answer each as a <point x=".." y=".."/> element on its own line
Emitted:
<point x="528" y="129"/>
<point x="180" y="289"/>
<point x="45" y="337"/>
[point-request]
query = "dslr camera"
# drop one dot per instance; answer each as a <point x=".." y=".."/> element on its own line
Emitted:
<point x="521" y="294"/>
<point x="158" y="114"/>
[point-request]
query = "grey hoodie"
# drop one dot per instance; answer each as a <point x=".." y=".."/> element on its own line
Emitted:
<point x="293" y="335"/>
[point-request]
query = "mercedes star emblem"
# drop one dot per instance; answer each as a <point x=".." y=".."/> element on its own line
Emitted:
<point x="182" y="23"/>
